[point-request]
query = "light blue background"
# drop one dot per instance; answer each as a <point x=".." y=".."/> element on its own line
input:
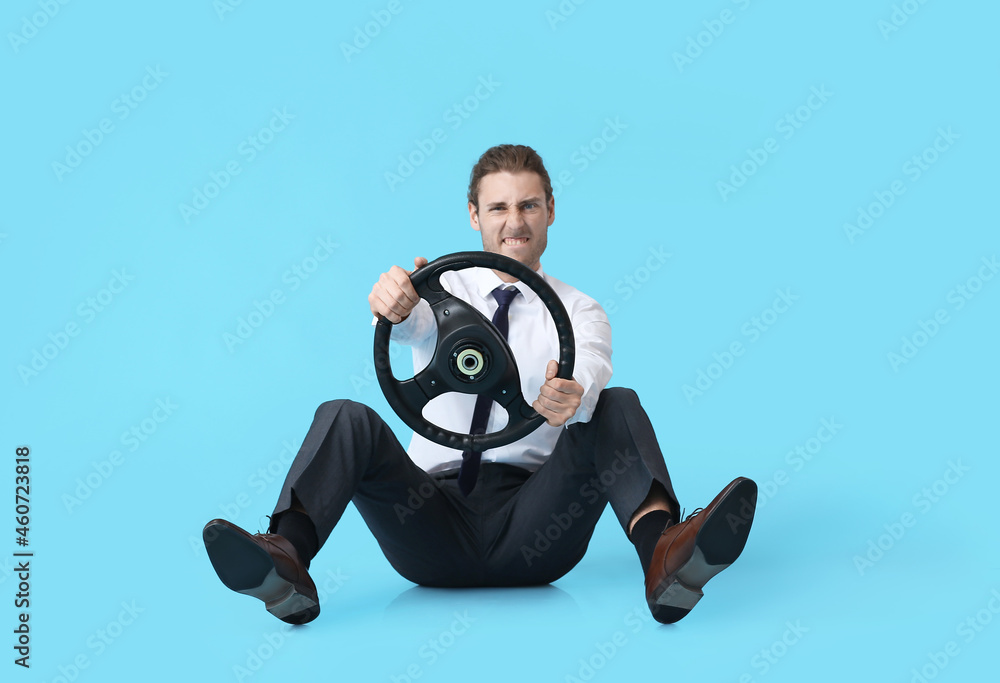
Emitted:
<point x="558" y="78"/>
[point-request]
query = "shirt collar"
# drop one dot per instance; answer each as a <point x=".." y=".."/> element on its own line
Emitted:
<point x="486" y="281"/>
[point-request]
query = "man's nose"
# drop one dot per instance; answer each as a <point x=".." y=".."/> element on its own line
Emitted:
<point x="515" y="218"/>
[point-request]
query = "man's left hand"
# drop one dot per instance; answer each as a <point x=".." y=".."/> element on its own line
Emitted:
<point x="558" y="398"/>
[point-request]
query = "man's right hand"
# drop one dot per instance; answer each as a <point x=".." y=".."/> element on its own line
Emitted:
<point x="393" y="297"/>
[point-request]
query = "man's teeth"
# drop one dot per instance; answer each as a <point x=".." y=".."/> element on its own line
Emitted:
<point x="515" y="240"/>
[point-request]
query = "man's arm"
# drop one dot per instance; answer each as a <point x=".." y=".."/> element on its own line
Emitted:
<point x="394" y="298"/>
<point x="565" y="401"/>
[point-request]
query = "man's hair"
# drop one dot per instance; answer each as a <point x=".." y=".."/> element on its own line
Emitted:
<point x="510" y="158"/>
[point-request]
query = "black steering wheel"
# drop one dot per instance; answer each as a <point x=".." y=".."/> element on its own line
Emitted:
<point x="471" y="355"/>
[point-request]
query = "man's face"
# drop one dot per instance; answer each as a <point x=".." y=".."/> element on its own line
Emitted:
<point x="513" y="217"/>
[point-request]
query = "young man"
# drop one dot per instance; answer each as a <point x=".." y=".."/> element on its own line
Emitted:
<point x="518" y="515"/>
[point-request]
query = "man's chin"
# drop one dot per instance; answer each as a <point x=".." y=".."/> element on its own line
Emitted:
<point x="522" y="258"/>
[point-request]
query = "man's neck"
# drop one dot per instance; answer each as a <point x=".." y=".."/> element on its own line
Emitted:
<point x="510" y="278"/>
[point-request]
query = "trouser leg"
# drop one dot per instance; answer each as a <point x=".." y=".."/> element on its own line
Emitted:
<point x="514" y="529"/>
<point x="349" y="453"/>
<point x="544" y="530"/>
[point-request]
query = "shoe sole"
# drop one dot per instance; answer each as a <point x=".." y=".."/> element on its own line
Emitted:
<point x="245" y="567"/>
<point x="717" y="546"/>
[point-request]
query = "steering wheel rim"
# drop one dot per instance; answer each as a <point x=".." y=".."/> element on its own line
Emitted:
<point x="462" y="327"/>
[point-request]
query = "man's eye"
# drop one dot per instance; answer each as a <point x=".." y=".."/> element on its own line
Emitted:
<point x="530" y="205"/>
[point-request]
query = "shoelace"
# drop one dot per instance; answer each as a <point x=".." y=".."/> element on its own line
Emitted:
<point x="696" y="511"/>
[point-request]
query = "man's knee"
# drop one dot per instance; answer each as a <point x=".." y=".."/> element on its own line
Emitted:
<point x="621" y="398"/>
<point x="342" y="406"/>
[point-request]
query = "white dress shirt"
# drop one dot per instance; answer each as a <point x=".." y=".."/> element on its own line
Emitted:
<point x="533" y="341"/>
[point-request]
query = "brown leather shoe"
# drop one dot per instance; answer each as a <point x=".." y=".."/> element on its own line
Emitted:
<point x="692" y="552"/>
<point x="266" y="566"/>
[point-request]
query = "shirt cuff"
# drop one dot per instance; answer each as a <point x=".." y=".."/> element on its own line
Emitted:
<point x="416" y="327"/>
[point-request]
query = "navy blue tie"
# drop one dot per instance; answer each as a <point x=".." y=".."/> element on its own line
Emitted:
<point x="469" y="473"/>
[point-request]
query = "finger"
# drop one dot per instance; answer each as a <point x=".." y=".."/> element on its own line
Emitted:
<point x="551" y="417"/>
<point x="398" y="285"/>
<point x="551" y="369"/>
<point x="404" y="282"/>
<point x="399" y="277"/>
<point x="388" y="315"/>
<point x="547" y="403"/>
<point x="554" y="395"/>
<point x="390" y="308"/>
<point x="565" y="386"/>
<point x="391" y="295"/>
<point x="556" y="405"/>
<point x="566" y="409"/>
<point x="544" y="411"/>
<point x="375" y="303"/>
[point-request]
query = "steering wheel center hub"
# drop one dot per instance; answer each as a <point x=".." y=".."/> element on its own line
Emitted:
<point x="470" y="361"/>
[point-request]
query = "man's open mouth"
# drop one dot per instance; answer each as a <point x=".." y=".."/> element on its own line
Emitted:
<point x="514" y="241"/>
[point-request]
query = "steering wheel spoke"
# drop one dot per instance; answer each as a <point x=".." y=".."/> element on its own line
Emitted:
<point x="507" y="392"/>
<point x="456" y="317"/>
<point x="523" y="409"/>
<point x="428" y="382"/>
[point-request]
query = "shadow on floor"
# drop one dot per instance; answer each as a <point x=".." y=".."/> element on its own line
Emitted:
<point x="421" y="602"/>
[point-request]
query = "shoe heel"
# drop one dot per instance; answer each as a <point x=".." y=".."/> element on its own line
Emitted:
<point x="283" y="601"/>
<point x="672" y="602"/>
<point x="678" y="595"/>
<point x="293" y="607"/>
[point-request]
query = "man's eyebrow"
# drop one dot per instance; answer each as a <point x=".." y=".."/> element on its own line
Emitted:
<point x="536" y="200"/>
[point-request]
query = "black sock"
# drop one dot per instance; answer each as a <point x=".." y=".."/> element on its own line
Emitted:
<point x="300" y="532"/>
<point x="646" y="532"/>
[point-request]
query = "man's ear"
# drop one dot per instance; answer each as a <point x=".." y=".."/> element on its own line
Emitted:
<point x="552" y="211"/>
<point x="474" y="216"/>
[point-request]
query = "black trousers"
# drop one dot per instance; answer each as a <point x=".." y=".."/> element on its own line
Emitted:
<point x="516" y="528"/>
